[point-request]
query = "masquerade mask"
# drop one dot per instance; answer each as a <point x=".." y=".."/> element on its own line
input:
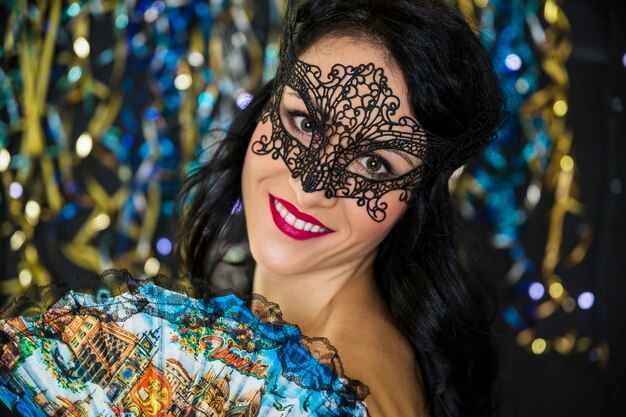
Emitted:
<point x="340" y="133"/>
<point x="345" y="132"/>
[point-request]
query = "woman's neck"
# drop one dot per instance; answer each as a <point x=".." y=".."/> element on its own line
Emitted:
<point x="311" y="300"/>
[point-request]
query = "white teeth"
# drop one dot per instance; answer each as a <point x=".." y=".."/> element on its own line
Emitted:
<point x="295" y="222"/>
<point x="291" y="219"/>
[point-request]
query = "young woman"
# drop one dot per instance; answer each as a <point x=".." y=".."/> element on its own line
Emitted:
<point x="342" y="164"/>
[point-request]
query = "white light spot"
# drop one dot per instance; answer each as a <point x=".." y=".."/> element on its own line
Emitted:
<point x="513" y="62"/>
<point x="536" y="291"/>
<point x="182" y="81"/>
<point x="5" y="159"/>
<point x="17" y="240"/>
<point x="32" y="212"/>
<point x="243" y="100"/>
<point x="586" y="300"/>
<point x="195" y="59"/>
<point x="533" y="194"/>
<point x="84" y="144"/>
<point x="152" y="266"/>
<point x="82" y="47"/>
<point x="101" y="222"/>
<point x="16" y="190"/>
<point x="25" y="277"/>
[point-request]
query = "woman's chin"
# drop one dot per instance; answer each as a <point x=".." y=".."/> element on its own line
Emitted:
<point x="279" y="261"/>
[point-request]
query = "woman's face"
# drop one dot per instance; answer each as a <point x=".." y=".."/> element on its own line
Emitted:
<point x="289" y="170"/>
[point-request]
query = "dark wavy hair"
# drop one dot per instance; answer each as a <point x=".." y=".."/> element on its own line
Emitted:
<point x="436" y="294"/>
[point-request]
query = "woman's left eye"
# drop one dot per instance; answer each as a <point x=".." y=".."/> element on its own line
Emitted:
<point x="373" y="163"/>
<point x="372" y="166"/>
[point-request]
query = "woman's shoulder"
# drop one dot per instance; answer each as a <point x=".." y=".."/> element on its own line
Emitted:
<point x="375" y="352"/>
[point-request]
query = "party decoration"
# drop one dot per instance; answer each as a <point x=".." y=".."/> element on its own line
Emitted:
<point x="541" y="167"/>
<point x="105" y="105"/>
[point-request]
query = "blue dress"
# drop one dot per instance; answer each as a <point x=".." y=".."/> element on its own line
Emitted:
<point x="146" y="350"/>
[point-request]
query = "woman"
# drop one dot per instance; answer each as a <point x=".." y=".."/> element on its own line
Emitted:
<point x="342" y="165"/>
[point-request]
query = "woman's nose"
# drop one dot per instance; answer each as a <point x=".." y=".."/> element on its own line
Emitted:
<point x="306" y="197"/>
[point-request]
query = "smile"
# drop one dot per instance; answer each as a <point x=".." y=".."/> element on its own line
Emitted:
<point x="293" y="223"/>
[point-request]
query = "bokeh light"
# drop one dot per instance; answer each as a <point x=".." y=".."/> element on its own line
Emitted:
<point x="560" y="108"/>
<point x="536" y="291"/>
<point x="586" y="300"/>
<point x="522" y="86"/>
<point x="243" y="100"/>
<point x="73" y="9"/>
<point x="183" y="81"/>
<point x="74" y="74"/>
<point x="32" y="210"/>
<point x="556" y="290"/>
<point x="101" y="222"/>
<point x="152" y="266"/>
<point x="15" y="190"/>
<point x="121" y="21"/>
<point x="84" y="144"/>
<point x="5" y="159"/>
<point x="567" y="163"/>
<point x="569" y="305"/>
<point x="164" y="246"/>
<point x="533" y="194"/>
<point x="25" y="277"/>
<point x="81" y="47"/>
<point x="539" y="346"/>
<point x="513" y="62"/>
<point x="17" y="240"/>
<point x="195" y="59"/>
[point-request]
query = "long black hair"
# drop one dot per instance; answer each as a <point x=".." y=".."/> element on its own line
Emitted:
<point x="436" y="295"/>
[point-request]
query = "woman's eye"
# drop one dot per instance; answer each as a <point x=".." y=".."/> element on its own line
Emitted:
<point x="303" y="123"/>
<point x="373" y="164"/>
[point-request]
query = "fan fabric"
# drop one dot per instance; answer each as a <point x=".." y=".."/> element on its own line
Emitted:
<point x="151" y="351"/>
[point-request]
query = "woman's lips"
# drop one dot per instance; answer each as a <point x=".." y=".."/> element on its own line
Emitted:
<point x="293" y="223"/>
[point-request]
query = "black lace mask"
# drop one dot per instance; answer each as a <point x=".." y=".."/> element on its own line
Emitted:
<point x="340" y="133"/>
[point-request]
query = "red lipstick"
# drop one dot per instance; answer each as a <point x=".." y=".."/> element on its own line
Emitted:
<point x="292" y="231"/>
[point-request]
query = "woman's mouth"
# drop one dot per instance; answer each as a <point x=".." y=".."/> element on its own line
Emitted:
<point x="293" y="223"/>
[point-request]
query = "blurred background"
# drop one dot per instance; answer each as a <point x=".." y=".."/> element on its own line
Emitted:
<point x="106" y="104"/>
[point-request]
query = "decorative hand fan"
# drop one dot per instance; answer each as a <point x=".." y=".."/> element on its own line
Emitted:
<point x="150" y="351"/>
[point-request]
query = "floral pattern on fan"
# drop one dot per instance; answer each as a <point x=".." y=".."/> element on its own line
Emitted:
<point x="154" y="352"/>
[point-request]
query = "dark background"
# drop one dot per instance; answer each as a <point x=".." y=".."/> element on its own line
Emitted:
<point x="576" y="385"/>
